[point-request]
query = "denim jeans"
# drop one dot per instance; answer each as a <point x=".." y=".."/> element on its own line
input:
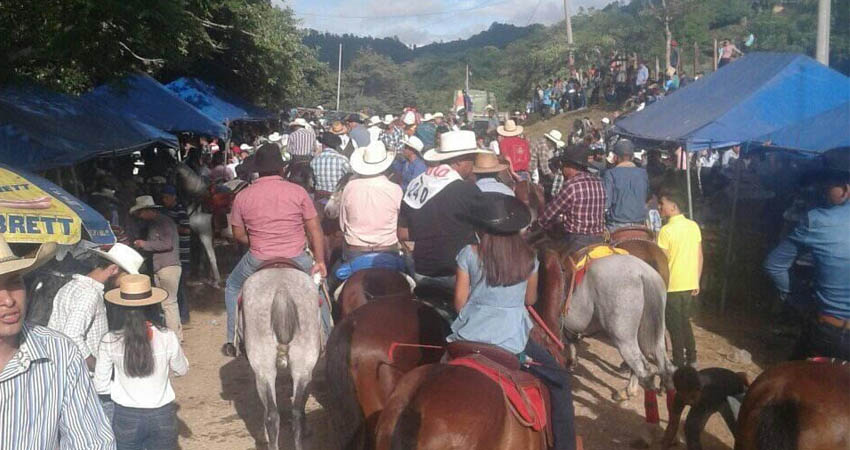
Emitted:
<point x="182" y="303"/>
<point x="614" y="226"/>
<point x="576" y="242"/>
<point x="560" y="395"/>
<point x="820" y="339"/>
<point x="244" y="269"/>
<point x="145" y="428"/>
<point x="108" y="406"/>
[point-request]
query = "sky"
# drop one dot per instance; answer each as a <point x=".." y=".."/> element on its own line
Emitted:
<point x="421" y="22"/>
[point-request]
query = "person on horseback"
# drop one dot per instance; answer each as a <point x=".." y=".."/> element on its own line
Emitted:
<point x="271" y="217"/>
<point x="626" y="189"/>
<point x="432" y="208"/>
<point x="496" y="278"/>
<point x="329" y="166"/>
<point x="487" y="169"/>
<point x="579" y="207"/>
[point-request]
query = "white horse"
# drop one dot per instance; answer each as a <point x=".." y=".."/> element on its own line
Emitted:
<point x="280" y="309"/>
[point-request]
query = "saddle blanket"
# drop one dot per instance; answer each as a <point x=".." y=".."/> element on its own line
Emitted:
<point x="522" y="390"/>
<point x="597" y="252"/>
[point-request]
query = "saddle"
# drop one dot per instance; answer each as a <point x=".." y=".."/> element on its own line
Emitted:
<point x="279" y="263"/>
<point x="577" y="264"/>
<point x="525" y="395"/>
<point x="370" y="261"/>
<point x="631" y="234"/>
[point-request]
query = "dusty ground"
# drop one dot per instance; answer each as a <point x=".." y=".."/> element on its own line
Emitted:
<point x="219" y="407"/>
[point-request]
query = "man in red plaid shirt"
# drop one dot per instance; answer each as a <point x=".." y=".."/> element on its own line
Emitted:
<point x="578" y="210"/>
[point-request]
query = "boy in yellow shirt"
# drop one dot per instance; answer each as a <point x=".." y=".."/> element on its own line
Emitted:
<point x="681" y="240"/>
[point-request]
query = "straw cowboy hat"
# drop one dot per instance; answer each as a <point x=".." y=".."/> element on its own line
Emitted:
<point x="454" y="144"/>
<point x="338" y="128"/>
<point x="143" y="202"/>
<point x="10" y="263"/>
<point x="488" y="163"/>
<point x="275" y="137"/>
<point x="437" y="115"/>
<point x="135" y="290"/>
<point x="415" y="143"/>
<point x="556" y="137"/>
<point x="299" y="122"/>
<point x="427" y="117"/>
<point x="374" y="120"/>
<point x="372" y="159"/>
<point x="489" y="108"/>
<point x="388" y="119"/>
<point x="510" y="128"/>
<point x="123" y="256"/>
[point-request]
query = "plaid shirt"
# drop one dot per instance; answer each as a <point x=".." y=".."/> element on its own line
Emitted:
<point x="328" y="167"/>
<point x="80" y="314"/>
<point x="541" y="153"/>
<point x="301" y="142"/>
<point x="579" y="207"/>
<point x="393" y="139"/>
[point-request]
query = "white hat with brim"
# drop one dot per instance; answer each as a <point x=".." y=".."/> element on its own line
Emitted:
<point x="409" y="118"/>
<point x="123" y="256"/>
<point x="245" y="147"/>
<point x="510" y="128"/>
<point x="374" y="120"/>
<point x="299" y="122"/>
<point x="144" y="202"/>
<point x="438" y="115"/>
<point x="388" y="119"/>
<point x="135" y="291"/>
<point x="427" y="117"/>
<point x="556" y="137"/>
<point x="10" y="263"/>
<point x="454" y="144"/>
<point x="372" y="159"/>
<point x="414" y="143"/>
<point x="275" y="137"/>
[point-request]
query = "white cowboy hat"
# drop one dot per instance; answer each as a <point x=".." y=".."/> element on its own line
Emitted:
<point x="388" y="119"/>
<point x="135" y="290"/>
<point x="489" y="107"/>
<point x="640" y="154"/>
<point x="409" y="118"/>
<point x="299" y="122"/>
<point x="438" y="115"/>
<point x="509" y="129"/>
<point x="610" y="157"/>
<point x="10" y="263"/>
<point x="320" y="108"/>
<point x="143" y="202"/>
<point x="372" y="159"/>
<point x="245" y="147"/>
<point x="374" y="120"/>
<point x="275" y="137"/>
<point x="556" y="137"/>
<point x="123" y="256"/>
<point x="606" y="120"/>
<point x="427" y="117"/>
<point x="214" y="148"/>
<point x="415" y="143"/>
<point x="454" y="144"/>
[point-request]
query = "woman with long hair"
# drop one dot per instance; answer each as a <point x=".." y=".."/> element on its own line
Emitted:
<point x="496" y="280"/>
<point x="142" y="354"/>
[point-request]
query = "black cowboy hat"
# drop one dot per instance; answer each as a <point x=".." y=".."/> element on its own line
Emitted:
<point x="574" y="155"/>
<point x="268" y="158"/>
<point x="500" y="214"/>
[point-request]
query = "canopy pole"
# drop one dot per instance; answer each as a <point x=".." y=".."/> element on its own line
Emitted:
<point x="728" y="260"/>
<point x="688" y="180"/>
<point x="339" y="77"/>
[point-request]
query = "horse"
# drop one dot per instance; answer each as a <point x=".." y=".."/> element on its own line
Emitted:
<point x="640" y="242"/>
<point x="620" y="295"/>
<point x="371" y="284"/>
<point x="797" y="405"/>
<point x="532" y="195"/>
<point x="281" y="310"/>
<point x="368" y="352"/>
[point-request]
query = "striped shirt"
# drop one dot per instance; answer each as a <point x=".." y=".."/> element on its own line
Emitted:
<point x="181" y="217"/>
<point x="329" y="167"/>
<point x="80" y="314"/>
<point x="302" y="142"/>
<point x="46" y="397"/>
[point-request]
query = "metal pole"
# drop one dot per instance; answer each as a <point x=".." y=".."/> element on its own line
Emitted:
<point x="715" y="55"/>
<point x="723" y="293"/>
<point x="569" y="25"/>
<point x="688" y="180"/>
<point x="822" y="52"/>
<point x="339" y="77"/>
<point x="696" y="60"/>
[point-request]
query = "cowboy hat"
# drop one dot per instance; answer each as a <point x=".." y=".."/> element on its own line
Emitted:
<point x="275" y="137"/>
<point x="388" y="119"/>
<point x="489" y="107"/>
<point x="135" y="290"/>
<point x="454" y="144"/>
<point x="246" y="147"/>
<point x="415" y="143"/>
<point x="509" y="129"/>
<point x="556" y="137"/>
<point x="123" y="256"/>
<point x="437" y="115"/>
<point x="338" y="128"/>
<point x="409" y="118"/>
<point x="606" y="120"/>
<point x="575" y="155"/>
<point x="10" y="263"/>
<point x="488" y="163"/>
<point x="299" y="122"/>
<point x="427" y="117"/>
<point x="501" y="214"/>
<point x="372" y="159"/>
<point x="143" y="202"/>
<point x="374" y="120"/>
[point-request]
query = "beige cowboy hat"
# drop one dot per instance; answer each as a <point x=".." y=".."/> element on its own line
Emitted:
<point x="135" y="290"/>
<point x="299" y="122"/>
<point x="454" y="144"/>
<point x="489" y="107"/>
<point x="488" y="163"/>
<point x="123" y="256"/>
<point x="374" y="120"/>
<point x="10" y="263"/>
<point x="510" y="128"/>
<point x="143" y="202"/>
<point x="372" y="159"/>
<point x="427" y="117"/>
<point x="556" y="137"/>
<point x="415" y="143"/>
<point x="338" y="128"/>
<point x="438" y="115"/>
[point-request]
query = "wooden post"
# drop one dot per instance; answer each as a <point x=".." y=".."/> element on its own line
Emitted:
<point x="715" y="55"/>
<point x="726" y="269"/>
<point x="696" y="60"/>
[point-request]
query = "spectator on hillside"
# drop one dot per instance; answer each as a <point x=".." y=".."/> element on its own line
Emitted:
<point x="642" y="77"/>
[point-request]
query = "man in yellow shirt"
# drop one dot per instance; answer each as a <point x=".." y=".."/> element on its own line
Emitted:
<point x="682" y="242"/>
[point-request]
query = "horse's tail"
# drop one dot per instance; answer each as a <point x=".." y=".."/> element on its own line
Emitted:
<point x="778" y="426"/>
<point x="346" y="415"/>
<point x="651" y="331"/>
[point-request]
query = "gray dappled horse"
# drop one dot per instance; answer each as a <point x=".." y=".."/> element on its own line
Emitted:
<point x="280" y="310"/>
<point x="194" y="188"/>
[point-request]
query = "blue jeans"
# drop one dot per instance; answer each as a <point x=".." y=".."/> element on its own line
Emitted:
<point x="244" y="269"/>
<point x="182" y="303"/>
<point x="145" y="429"/>
<point x="108" y="406"/>
<point x="820" y="339"/>
<point x="614" y="226"/>
<point x="560" y="395"/>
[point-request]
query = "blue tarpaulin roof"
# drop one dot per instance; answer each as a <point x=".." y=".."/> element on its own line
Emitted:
<point x="216" y="103"/>
<point x="40" y="130"/>
<point x="759" y="94"/>
<point x="143" y="98"/>
<point x="830" y="129"/>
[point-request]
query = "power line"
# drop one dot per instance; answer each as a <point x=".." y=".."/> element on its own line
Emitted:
<point x="482" y="5"/>
<point x="534" y="12"/>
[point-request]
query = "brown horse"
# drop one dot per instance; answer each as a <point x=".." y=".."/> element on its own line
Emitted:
<point x="797" y="405"/>
<point x="442" y="407"/>
<point x="368" y="285"/>
<point x="532" y="195"/>
<point x="367" y="354"/>
<point x="640" y="242"/>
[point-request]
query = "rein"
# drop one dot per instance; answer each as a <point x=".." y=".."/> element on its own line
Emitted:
<point x="545" y="328"/>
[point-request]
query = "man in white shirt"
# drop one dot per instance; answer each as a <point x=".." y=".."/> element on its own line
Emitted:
<point x="730" y="156"/>
<point x="78" y="308"/>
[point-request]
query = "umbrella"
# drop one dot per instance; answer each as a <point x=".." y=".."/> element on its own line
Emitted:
<point x="34" y="210"/>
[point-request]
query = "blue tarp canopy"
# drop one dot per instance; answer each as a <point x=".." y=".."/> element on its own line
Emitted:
<point x="41" y="130"/>
<point x="215" y="103"/>
<point x="143" y="98"/>
<point x="753" y="97"/>
<point x="830" y="129"/>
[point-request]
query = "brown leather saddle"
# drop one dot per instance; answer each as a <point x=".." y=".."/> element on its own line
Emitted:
<point x="459" y="349"/>
<point x="279" y="263"/>
<point x="631" y="234"/>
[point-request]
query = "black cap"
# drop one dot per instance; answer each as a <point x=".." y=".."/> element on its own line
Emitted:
<point x="354" y="118"/>
<point x="268" y="158"/>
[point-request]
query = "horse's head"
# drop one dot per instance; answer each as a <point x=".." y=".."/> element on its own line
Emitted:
<point x="190" y="182"/>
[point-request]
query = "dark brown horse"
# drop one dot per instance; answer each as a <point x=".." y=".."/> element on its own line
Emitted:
<point x="371" y="284"/>
<point x="368" y="352"/>
<point x="532" y="195"/>
<point x="801" y="405"/>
